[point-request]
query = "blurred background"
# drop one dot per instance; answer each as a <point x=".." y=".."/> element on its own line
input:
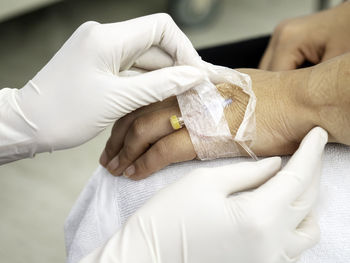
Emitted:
<point x="36" y="195"/>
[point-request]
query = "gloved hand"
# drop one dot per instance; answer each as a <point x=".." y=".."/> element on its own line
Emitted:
<point x="212" y="216"/>
<point x="82" y="89"/>
<point x="314" y="38"/>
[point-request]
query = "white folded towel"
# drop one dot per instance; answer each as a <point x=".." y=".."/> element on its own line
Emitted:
<point x="107" y="202"/>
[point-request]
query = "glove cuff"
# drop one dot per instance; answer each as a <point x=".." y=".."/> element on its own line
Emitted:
<point x="18" y="136"/>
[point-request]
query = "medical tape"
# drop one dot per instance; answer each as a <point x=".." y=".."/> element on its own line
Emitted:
<point x="203" y="111"/>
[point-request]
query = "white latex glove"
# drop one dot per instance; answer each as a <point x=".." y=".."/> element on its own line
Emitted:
<point x="81" y="91"/>
<point x="199" y="220"/>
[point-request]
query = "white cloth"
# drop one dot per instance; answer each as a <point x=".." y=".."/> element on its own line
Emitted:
<point x="107" y="202"/>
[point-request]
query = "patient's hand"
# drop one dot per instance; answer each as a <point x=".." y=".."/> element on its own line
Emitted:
<point x="289" y="104"/>
<point x="314" y="38"/>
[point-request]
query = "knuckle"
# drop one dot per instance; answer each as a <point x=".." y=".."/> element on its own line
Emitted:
<point x="295" y="180"/>
<point x="258" y="226"/>
<point x="143" y="166"/>
<point x="128" y="153"/>
<point x="93" y="36"/>
<point x="119" y="122"/>
<point x="291" y="178"/>
<point x="128" y="118"/>
<point x="161" y="149"/>
<point x="256" y="217"/>
<point x="109" y="149"/>
<point x="86" y="26"/>
<point x="164" y="17"/>
<point x="124" y="121"/>
<point x="253" y="221"/>
<point x="286" y="30"/>
<point x="138" y="128"/>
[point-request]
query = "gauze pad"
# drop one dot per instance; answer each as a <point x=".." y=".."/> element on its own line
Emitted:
<point x="203" y="110"/>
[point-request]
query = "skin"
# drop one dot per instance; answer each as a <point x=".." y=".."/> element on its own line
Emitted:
<point x="314" y="38"/>
<point x="289" y="104"/>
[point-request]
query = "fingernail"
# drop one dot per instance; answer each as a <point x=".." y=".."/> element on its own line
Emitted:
<point x="113" y="165"/>
<point x="129" y="171"/>
<point x="103" y="158"/>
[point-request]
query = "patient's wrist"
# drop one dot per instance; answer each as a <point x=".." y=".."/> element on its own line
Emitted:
<point x="300" y="115"/>
<point x="328" y="94"/>
<point x="282" y="119"/>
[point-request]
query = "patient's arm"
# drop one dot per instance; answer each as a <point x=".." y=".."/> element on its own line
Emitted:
<point x="289" y="104"/>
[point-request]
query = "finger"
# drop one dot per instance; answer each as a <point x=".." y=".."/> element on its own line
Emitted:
<point x="143" y="132"/>
<point x="304" y="204"/>
<point x="243" y="176"/>
<point x="153" y="59"/>
<point x="143" y="89"/>
<point x="266" y="58"/>
<point x="154" y="30"/>
<point x="132" y="72"/>
<point x="304" y="237"/>
<point x="174" y="148"/>
<point x="307" y="160"/>
<point x="284" y="59"/>
<point x="298" y="174"/>
<point x="121" y="127"/>
<point x="280" y="55"/>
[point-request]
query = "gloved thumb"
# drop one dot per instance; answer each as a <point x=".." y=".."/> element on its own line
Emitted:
<point x="160" y="84"/>
<point x="300" y="170"/>
<point x="153" y="59"/>
<point x="246" y="175"/>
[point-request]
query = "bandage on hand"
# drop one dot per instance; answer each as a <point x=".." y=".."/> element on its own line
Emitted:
<point x="289" y="104"/>
<point x="144" y="141"/>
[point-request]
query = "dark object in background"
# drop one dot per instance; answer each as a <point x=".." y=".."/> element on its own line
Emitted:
<point x="242" y="54"/>
<point x="193" y="12"/>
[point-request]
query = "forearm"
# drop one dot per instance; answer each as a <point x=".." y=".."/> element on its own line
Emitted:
<point x="281" y="120"/>
<point x="290" y="103"/>
<point x="328" y="94"/>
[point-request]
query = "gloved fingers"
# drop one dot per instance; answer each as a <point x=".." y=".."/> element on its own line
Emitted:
<point x="142" y="134"/>
<point x="121" y="127"/>
<point x="243" y="176"/>
<point x="176" y="147"/>
<point x="304" y="204"/>
<point x="153" y="59"/>
<point x="155" y="86"/>
<point x="140" y="34"/>
<point x="134" y="71"/>
<point x="298" y="174"/>
<point x="306" y="162"/>
<point x="304" y="237"/>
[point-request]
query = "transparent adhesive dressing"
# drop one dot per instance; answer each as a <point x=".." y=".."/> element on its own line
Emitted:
<point x="203" y="113"/>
